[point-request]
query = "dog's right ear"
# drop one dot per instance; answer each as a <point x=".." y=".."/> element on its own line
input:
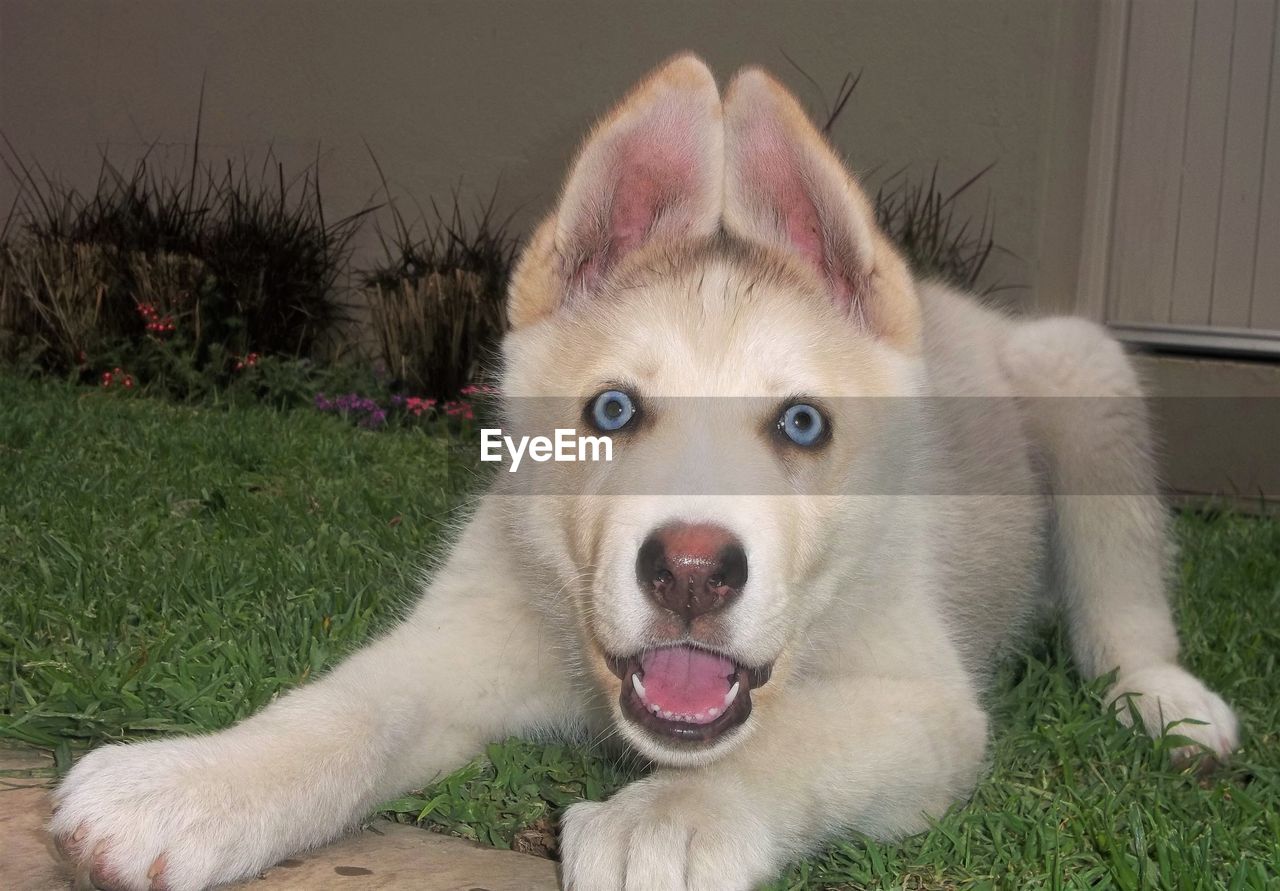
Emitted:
<point x="653" y="169"/>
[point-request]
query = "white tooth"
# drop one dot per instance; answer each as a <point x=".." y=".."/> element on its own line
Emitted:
<point x="700" y="716"/>
<point x="668" y="715"/>
<point x="712" y="712"/>
<point x="733" y="692"/>
<point x="639" y="687"/>
<point x="655" y="709"/>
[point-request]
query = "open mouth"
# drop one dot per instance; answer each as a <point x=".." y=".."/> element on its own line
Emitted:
<point x="686" y="694"/>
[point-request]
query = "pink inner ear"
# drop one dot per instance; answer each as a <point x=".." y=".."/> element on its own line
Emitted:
<point x="656" y="187"/>
<point x="638" y="199"/>
<point x="771" y="168"/>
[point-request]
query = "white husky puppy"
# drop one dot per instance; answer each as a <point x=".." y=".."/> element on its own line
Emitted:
<point x="789" y="602"/>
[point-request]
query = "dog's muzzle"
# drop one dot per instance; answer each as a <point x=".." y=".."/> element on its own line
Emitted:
<point x="680" y="690"/>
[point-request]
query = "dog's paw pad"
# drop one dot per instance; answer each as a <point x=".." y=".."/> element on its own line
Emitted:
<point x="1170" y="700"/>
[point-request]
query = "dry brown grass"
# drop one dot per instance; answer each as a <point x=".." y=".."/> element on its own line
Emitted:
<point x="432" y="330"/>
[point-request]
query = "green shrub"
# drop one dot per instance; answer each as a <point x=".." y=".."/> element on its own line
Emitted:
<point x="276" y="261"/>
<point x="294" y="383"/>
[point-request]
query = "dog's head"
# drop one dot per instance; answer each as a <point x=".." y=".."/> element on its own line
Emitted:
<point x="711" y="292"/>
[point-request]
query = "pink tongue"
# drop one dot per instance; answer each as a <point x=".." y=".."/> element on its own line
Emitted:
<point x="683" y="680"/>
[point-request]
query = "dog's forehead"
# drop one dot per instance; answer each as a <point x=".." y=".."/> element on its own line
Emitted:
<point x="712" y="319"/>
<point x="727" y="323"/>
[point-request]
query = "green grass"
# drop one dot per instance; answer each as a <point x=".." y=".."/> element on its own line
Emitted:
<point x="171" y="568"/>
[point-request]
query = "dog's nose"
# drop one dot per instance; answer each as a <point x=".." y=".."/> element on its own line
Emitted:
<point x="692" y="569"/>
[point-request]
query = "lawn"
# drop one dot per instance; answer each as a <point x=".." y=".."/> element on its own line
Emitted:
<point x="168" y="568"/>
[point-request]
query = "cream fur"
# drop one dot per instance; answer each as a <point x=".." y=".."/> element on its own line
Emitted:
<point x="887" y="573"/>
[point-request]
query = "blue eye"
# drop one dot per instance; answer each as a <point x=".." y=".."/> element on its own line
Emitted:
<point x="802" y="424"/>
<point x="612" y="410"/>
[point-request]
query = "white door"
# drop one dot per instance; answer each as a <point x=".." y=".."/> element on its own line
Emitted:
<point x="1184" y="243"/>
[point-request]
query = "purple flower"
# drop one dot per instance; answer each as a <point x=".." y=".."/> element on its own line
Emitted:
<point x="361" y="409"/>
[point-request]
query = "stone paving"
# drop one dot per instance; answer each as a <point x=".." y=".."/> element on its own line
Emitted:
<point x="383" y="856"/>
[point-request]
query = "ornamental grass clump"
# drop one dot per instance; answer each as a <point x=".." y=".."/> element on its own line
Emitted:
<point x="214" y="263"/>
<point x="437" y="301"/>
<point x="59" y="313"/>
<point x="53" y="299"/>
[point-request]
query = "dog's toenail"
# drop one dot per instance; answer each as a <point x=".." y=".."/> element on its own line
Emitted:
<point x="100" y="874"/>
<point x="155" y="874"/>
<point x="65" y="847"/>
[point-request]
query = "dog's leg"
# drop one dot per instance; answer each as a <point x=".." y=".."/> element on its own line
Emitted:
<point x="467" y="666"/>
<point x="878" y="755"/>
<point x="1086" y="415"/>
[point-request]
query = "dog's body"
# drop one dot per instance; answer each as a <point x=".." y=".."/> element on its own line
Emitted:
<point x="824" y="509"/>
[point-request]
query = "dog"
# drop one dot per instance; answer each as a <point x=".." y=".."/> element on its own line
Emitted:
<point x="788" y="587"/>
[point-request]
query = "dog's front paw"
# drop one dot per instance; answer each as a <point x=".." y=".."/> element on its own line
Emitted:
<point x="1169" y="698"/>
<point x="668" y="833"/>
<point x="157" y="815"/>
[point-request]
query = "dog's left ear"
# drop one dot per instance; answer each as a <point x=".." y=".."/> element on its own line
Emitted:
<point x="652" y="170"/>
<point x="786" y="188"/>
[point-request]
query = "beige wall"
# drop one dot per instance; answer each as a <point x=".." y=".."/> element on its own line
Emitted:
<point x="485" y="91"/>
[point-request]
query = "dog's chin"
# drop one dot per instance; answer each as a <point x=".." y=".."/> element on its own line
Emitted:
<point x="701" y="732"/>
